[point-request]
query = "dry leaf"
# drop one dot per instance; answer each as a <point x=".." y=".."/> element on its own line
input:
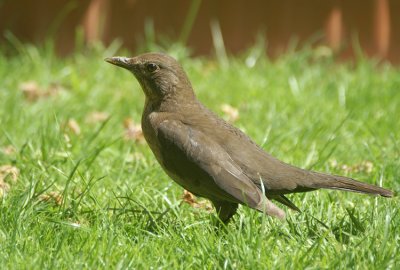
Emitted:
<point x="54" y="89"/>
<point x="32" y="91"/>
<point x="365" y="166"/>
<point x="8" y="174"/>
<point x="73" y="126"/>
<point x="96" y="117"/>
<point x="231" y="114"/>
<point x="190" y="199"/>
<point x="133" y="131"/>
<point x="8" y="150"/>
<point x="52" y="196"/>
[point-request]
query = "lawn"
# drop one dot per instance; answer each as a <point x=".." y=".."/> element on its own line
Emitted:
<point x="80" y="188"/>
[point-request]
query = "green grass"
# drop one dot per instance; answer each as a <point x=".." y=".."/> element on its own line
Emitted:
<point x="119" y="208"/>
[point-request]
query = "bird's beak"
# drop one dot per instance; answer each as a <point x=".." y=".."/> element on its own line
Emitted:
<point x="124" y="62"/>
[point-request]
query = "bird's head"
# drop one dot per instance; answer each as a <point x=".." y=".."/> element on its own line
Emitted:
<point x="160" y="75"/>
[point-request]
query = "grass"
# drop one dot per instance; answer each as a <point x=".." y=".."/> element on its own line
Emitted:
<point x="113" y="206"/>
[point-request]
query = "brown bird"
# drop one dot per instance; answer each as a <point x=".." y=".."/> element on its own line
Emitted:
<point x="211" y="158"/>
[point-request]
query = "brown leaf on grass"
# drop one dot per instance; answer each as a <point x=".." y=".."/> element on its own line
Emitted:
<point x="73" y="126"/>
<point x="364" y="166"/>
<point x="9" y="172"/>
<point x="367" y="166"/>
<point x="8" y="175"/>
<point x="32" y="91"/>
<point x="190" y="199"/>
<point x="8" y="150"/>
<point x="54" y="89"/>
<point x="96" y="117"/>
<point x="133" y="131"/>
<point x="53" y="196"/>
<point x="231" y="114"/>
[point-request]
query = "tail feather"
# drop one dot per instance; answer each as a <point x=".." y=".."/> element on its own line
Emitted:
<point x="283" y="200"/>
<point x="348" y="184"/>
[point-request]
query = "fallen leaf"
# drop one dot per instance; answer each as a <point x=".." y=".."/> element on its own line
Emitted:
<point x="32" y="91"/>
<point x="190" y="199"/>
<point x="367" y="166"/>
<point x="54" y="89"/>
<point x="133" y="131"/>
<point x="96" y="117"/>
<point x="8" y="150"/>
<point x="8" y="174"/>
<point x="231" y="114"/>
<point x="73" y="126"/>
<point x="52" y="196"/>
<point x="364" y="166"/>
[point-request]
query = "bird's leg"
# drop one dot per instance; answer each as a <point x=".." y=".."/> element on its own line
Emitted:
<point x="225" y="210"/>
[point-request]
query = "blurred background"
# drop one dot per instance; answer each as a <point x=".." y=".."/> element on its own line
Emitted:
<point x="206" y="26"/>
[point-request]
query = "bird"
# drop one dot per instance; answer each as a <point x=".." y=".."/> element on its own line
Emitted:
<point x="210" y="157"/>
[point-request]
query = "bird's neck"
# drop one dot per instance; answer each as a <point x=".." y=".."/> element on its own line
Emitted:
<point x="176" y="101"/>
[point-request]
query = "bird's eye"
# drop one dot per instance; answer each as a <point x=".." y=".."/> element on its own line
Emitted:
<point x="151" y="67"/>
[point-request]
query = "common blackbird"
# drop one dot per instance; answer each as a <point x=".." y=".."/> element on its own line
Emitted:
<point x="210" y="157"/>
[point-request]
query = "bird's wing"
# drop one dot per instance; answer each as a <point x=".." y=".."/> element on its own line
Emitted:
<point x="277" y="177"/>
<point x="210" y="157"/>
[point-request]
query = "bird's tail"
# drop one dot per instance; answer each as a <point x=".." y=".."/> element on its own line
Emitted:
<point x="322" y="180"/>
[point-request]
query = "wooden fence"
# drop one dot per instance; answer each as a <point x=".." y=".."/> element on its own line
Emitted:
<point x="375" y="24"/>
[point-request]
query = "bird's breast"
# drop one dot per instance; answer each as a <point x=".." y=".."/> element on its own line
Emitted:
<point x="149" y="132"/>
<point x="174" y="162"/>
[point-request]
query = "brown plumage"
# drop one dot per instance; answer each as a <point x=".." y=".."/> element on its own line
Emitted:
<point x="208" y="156"/>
